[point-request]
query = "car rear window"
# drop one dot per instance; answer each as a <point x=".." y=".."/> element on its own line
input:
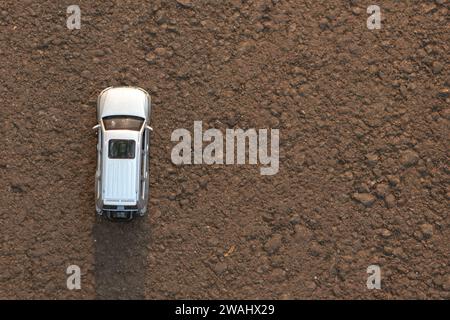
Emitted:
<point x="121" y="149"/>
<point x="123" y="123"/>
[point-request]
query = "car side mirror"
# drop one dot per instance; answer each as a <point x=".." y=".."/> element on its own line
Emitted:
<point x="149" y="128"/>
<point x="96" y="127"/>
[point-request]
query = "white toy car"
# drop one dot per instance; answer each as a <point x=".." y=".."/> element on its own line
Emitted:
<point x="122" y="179"/>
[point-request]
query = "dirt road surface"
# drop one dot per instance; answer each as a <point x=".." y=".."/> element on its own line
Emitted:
<point x="364" y="138"/>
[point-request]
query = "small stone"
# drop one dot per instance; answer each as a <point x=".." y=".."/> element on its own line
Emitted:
<point x="398" y="252"/>
<point x="404" y="90"/>
<point x="389" y="200"/>
<point x="17" y="188"/>
<point x="437" y="281"/>
<point x="393" y="180"/>
<point x="444" y="93"/>
<point x="359" y="133"/>
<point x="184" y="202"/>
<point x="315" y="249"/>
<point x="154" y="202"/>
<point x="172" y="28"/>
<point x="245" y="46"/>
<point x="278" y="274"/>
<point x="220" y="267"/>
<point x="172" y="196"/>
<point x="366" y="199"/>
<point x="98" y="53"/>
<point x="161" y="51"/>
<point x="274" y="244"/>
<point x="150" y="58"/>
<point x="292" y="28"/>
<point x="57" y="41"/>
<point x="295" y="219"/>
<point x="203" y="182"/>
<point x="161" y="18"/>
<point x="429" y="7"/>
<point x="356" y="11"/>
<point x="418" y="235"/>
<point x="311" y="285"/>
<point x="259" y="27"/>
<point x="409" y="158"/>
<point x="337" y="291"/>
<point x="302" y="234"/>
<point x="260" y="269"/>
<point x="382" y="189"/>
<point x="385" y="233"/>
<point x="185" y="3"/>
<point x="372" y="158"/>
<point x="437" y="67"/>
<point x="373" y="69"/>
<point x="407" y="67"/>
<point x="377" y="172"/>
<point x="262" y="5"/>
<point x="323" y="24"/>
<point x="156" y="213"/>
<point x="285" y="296"/>
<point x="171" y="170"/>
<point x="86" y="74"/>
<point x="402" y="201"/>
<point x="427" y="230"/>
<point x="267" y="217"/>
<point x="348" y="175"/>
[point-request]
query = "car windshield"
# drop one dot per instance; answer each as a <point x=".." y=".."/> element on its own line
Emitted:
<point x="123" y="123"/>
<point x="121" y="149"/>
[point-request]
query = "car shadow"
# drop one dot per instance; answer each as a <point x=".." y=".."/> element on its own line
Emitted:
<point x="121" y="250"/>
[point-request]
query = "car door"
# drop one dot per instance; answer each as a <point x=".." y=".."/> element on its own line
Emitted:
<point x="145" y="168"/>
<point x="98" y="171"/>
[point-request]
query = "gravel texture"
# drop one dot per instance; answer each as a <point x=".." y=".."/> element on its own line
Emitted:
<point x="364" y="139"/>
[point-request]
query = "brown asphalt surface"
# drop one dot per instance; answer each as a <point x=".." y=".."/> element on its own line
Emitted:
<point x="364" y="139"/>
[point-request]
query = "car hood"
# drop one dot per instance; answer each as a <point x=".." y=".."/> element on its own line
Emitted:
<point x="124" y="101"/>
